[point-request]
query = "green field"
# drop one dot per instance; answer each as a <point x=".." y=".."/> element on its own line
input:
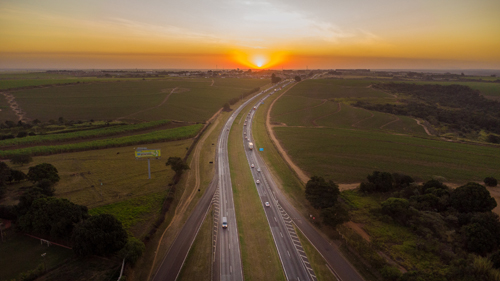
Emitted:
<point x="152" y="137"/>
<point x="349" y="155"/>
<point x="194" y="100"/>
<point x="84" y="134"/>
<point x="326" y="103"/>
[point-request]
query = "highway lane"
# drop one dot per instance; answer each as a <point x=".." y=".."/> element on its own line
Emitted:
<point x="337" y="263"/>
<point x="293" y="258"/>
<point x="228" y="247"/>
<point x="176" y="255"/>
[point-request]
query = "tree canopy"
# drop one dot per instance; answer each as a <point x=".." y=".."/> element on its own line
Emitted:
<point x="320" y="193"/>
<point x="54" y="217"/>
<point x="177" y="164"/>
<point x="43" y="171"/>
<point x="100" y="235"/>
<point x="472" y="197"/>
<point x="297" y="79"/>
<point x="21" y="159"/>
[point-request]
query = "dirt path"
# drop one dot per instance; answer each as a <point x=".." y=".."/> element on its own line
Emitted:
<point x="395" y="120"/>
<point x="302" y="176"/>
<point x="140" y="111"/>
<point x="423" y="126"/>
<point x="213" y="81"/>
<point x="321" y="117"/>
<point x="193" y="172"/>
<point x="11" y="100"/>
<point x="354" y="124"/>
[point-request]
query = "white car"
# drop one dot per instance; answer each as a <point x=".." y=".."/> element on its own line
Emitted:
<point x="267" y="204"/>
<point x="252" y="165"/>
<point x="244" y="133"/>
<point x="258" y="170"/>
<point x="257" y="182"/>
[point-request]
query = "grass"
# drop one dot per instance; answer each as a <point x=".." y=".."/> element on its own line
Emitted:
<point x="333" y="88"/>
<point x="258" y="253"/>
<point x="20" y="253"/>
<point x="398" y="242"/>
<point x="317" y="261"/>
<point x="194" y="100"/>
<point x="122" y="176"/>
<point x="106" y="131"/>
<point x="198" y="264"/>
<point x="347" y="156"/>
<point x="152" y="137"/>
<point x="134" y="212"/>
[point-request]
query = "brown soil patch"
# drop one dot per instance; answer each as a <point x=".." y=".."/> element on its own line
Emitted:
<point x="423" y="126"/>
<point x="11" y="100"/>
<point x="495" y="193"/>
<point x="358" y="228"/>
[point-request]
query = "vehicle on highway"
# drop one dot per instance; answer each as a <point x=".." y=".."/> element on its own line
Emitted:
<point x="267" y="204"/>
<point x="244" y="133"/>
<point x="258" y="182"/>
<point x="252" y="165"/>
<point x="245" y="124"/>
<point x="258" y="170"/>
<point x="224" y="222"/>
<point x="250" y="145"/>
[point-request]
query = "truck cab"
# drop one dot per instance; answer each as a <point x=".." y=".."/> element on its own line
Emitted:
<point x="224" y="222"/>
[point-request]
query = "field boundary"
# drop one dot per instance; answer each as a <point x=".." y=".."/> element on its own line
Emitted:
<point x="300" y="174"/>
<point x="147" y="109"/>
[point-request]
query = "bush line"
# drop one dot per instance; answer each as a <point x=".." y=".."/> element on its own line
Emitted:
<point x="158" y="136"/>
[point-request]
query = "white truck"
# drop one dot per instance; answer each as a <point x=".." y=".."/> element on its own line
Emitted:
<point x="250" y="145"/>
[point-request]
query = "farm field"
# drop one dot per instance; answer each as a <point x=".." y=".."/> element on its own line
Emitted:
<point x="193" y="100"/>
<point x="151" y="137"/>
<point x="348" y="155"/>
<point x="325" y="103"/>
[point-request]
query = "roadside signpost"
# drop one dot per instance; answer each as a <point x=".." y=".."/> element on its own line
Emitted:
<point x="145" y="153"/>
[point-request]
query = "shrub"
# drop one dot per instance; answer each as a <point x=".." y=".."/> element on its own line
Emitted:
<point x="490" y="181"/>
<point x="472" y="197"/>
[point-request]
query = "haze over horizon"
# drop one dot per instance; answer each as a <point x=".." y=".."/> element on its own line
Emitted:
<point x="195" y="34"/>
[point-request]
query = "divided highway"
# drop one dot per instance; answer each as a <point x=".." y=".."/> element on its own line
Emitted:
<point x="268" y="191"/>
<point x="293" y="258"/>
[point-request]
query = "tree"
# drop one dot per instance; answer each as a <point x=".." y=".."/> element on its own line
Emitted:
<point x="335" y="215"/>
<point x="297" y="79"/>
<point x="4" y="173"/>
<point x="275" y="79"/>
<point x="177" y="164"/>
<point x="478" y="239"/>
<point x="46" y="187"/>
<point x="133" y="250"/>
<point x="490" y="181"/>
<point x="381" y="180"/>
<point x="397" y="208"/>
<point x="226" y="107"/>
<point x="36" y="121"/>
<point x="21" y="159"/>
<point x="54" y="217"/>
<point x="402" y="181"/>
<point x="495" y="259"/>
<point x="17" y="176"/>
<point x="100" y="235"/>
<point x="43" y="171"/>
<point x="321" y="194"/>
<point x="22" y="134"/>
<point x="472" y="197"/>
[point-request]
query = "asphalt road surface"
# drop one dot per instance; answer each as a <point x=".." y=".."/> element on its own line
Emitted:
<point x="293" y="258"/>
<point x="337" y="263"/>
<point x="227" y="264"/>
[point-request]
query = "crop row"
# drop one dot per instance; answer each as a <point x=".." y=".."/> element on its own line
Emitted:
<point x="107" y="131"/>
<point x="157" y="136"/>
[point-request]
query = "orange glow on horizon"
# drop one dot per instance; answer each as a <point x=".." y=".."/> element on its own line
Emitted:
<point x="258" y="60"/>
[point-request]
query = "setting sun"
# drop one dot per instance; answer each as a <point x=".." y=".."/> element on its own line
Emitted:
<point x="259" y="60"/>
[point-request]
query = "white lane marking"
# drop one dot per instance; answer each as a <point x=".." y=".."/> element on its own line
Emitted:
<point x="288" y="253"/>
<point x="281" y="234"/>
<point x="231" y="268"/>
<point x="275" y="219"/>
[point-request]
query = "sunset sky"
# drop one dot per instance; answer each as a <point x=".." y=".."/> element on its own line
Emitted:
<point x="190" y="34"/>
